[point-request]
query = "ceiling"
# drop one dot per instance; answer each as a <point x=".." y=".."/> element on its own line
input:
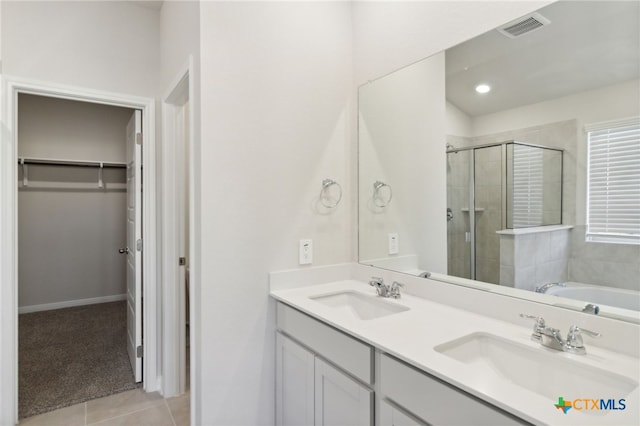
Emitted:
<point x="588" y="44"/>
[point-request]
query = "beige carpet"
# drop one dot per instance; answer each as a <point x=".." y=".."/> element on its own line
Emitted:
<point x="68" y="356"/>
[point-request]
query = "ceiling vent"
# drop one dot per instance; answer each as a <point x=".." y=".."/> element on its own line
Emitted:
<point x="524" y="25"/>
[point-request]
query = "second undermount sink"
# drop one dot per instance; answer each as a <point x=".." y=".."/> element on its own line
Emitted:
<point x="548" y="374"/>
<point x="361" y="306"/>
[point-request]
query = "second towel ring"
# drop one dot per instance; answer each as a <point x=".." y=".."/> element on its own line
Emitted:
<point x="378" y="200"/>
<point x="326" y="184"/>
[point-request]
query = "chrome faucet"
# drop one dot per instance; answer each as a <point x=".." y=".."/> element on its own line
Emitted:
<point x="384" y="290"/>
<point x="590" y="308"/>
<point x="551" y="338"/>
<point x="543" y="288"/>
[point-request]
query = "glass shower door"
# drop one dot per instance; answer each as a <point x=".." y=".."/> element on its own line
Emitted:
<point x="489" y="215"/>
<point x="458" y="225"/>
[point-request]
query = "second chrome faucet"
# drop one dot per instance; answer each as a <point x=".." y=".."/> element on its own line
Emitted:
<point x="551" y="337"/>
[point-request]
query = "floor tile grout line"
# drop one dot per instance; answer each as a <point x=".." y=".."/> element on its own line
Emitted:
<point x="173" y="419"/>
<point x="125" y="414"/>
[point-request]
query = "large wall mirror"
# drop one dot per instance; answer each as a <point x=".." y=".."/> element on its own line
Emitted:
<point x="511" y="162"/>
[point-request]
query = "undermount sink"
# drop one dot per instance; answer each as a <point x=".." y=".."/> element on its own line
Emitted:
<point x="546" y="373"/>
<point x="359" y="305"/>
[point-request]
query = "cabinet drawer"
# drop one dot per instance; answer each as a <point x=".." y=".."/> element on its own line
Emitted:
<point x="348" y="353"/>
<point x="434" y="401"/>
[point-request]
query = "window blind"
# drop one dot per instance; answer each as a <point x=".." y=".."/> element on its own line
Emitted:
<point x="527" y="186"/>
<point x="613" y="194"/>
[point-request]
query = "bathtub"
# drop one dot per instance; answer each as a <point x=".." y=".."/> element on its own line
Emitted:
<point x="599" y="295"/>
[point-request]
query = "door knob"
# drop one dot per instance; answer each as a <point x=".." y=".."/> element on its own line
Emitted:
<point x="124" y="250"/>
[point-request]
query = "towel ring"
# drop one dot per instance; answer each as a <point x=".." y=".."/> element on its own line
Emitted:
<point x="378" y="200"/>
<point x="326" y="184"/>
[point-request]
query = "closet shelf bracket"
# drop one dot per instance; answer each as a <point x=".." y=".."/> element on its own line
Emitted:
<point x="25" y="173"/>
<point x="100" y="182"/>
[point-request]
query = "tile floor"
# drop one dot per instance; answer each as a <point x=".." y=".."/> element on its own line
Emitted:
<point x="134" y="407"/>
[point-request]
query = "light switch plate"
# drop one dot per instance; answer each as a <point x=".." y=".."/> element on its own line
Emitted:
<point x="393" y="243"/>
<point x="306" y="252"/>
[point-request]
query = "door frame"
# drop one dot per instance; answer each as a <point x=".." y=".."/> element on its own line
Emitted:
<point x="9" y="90"/>
<point x="179" y="91"/>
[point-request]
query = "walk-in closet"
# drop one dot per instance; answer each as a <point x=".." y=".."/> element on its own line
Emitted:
<point x="73" y="253"/>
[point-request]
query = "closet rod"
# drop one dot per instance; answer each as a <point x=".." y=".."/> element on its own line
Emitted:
<point x="76" y="163"/>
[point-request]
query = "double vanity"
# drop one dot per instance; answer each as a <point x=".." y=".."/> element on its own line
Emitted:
<point x="348" y="355"/>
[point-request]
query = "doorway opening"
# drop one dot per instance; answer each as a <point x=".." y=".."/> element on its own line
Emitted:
<point x="79" y="269"/>
<point x="12" y="171"/>
<point x="179" y="257"/>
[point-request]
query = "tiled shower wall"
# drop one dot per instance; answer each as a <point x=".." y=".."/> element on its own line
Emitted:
<point x="533" y="259"/>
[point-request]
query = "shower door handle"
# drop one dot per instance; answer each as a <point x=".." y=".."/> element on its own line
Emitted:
<point x="124" y="250"/>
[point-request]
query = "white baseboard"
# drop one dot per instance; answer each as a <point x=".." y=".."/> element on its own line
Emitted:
<point x="71" y="303"/>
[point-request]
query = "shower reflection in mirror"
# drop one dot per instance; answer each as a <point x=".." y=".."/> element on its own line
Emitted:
<point x="496" y="187"/>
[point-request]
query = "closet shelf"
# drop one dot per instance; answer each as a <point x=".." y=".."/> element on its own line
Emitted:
<point x="75" y="163"/>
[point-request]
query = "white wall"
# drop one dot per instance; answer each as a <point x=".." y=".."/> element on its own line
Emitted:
<point x="458" y="123"/>
<point x="276" y="84"/>
<point x="69" y="230"/>
<point x="602" y="104"/>
<point x="401" y="123"/>
<point x="179" y="37"/>
<point x="110" y="46"/>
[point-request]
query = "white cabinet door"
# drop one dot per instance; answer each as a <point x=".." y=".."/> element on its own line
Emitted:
<point x="294" y="383"/>
<point x="340" y="400"/>
<point x="392" y="416"/>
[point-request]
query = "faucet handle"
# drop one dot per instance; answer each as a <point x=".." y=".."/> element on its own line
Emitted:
<point x="394" y="291"/>
<point x="574" y="341"/>
<point x="538" y="327"/>
<point x="574" y="330"/>
<point x="539" y="320"/>
<point x="376" y="281"/>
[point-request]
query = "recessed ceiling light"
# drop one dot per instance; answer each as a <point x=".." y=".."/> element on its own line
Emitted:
<point x="483" y="88"/>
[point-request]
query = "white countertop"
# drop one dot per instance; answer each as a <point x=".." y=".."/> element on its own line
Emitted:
<point x="411" y="336"/>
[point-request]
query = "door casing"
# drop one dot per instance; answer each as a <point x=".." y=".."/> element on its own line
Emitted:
<point x="179" y="92"/>
<point x="10" y="88"/>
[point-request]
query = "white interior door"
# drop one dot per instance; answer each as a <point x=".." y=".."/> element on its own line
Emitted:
<point x="134" y="243"/>
<point x="183" y="226"/>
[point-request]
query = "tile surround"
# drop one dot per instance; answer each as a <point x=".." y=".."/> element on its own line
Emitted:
<point x="614" y="265"/>
<point x="528" y="260"/>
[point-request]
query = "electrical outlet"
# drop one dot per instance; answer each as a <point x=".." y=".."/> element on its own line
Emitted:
<point x="393" y="243"/>
<point x="306" y="252"/>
